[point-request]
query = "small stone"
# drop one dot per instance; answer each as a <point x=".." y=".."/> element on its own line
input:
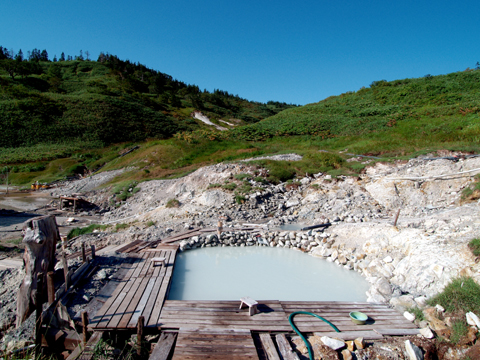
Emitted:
<point x="350" y="345"/>
<point x="413" y="351"/>
<point x="347" y="355"/>
<point x="360" y="343"/>
<point x="388" y="259"/>
<point x="409" y="316"/>
<point x="472" y="319"/>
<point x="427" y="333"/>
<point x="334" y="344"/>
<point x="439" y="308"/>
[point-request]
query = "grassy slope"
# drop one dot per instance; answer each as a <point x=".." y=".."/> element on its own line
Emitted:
<point x="394" y="119"/>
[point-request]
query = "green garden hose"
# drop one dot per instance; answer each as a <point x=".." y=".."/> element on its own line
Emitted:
<point x="290" y="320"/>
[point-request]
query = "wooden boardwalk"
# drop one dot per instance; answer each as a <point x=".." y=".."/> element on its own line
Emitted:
<point x="140" y="290"/>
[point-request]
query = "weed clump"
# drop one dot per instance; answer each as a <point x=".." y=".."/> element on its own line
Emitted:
<point x="85" y="230"/>
<point x="173" y="203"/>
<point x="461" y="295"/>
<point x="474" y="245"/>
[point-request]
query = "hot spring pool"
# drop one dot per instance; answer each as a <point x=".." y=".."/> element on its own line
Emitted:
<point x="229" y="273"/>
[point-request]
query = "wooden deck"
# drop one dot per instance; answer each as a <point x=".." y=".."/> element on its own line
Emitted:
<point x="273" y="316"/>
<point x="140" y="291"/>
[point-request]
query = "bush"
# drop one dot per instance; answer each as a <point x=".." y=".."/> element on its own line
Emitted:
<point x="459" y="330"/>
<point x="121" y="226"/>
<point x="214" y="185"/>
<point x="173" y="203"/>
<point x="239" y="199"/>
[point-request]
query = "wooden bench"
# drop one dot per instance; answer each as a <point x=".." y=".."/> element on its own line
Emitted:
<point x="157" y="260"/>
<point x="252" y="305"/>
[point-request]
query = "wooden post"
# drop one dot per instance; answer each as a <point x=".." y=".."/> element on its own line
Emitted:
<point x="396" y="218"/>
<point x="85" y="327"/>
<point x="140" y="324"/>
<point x="38" y="315"/>
<point x="219" y="229"/>
<point x="65" y="270"/>
<point x="50" y="287"/>
<point x="92" y="247"/>
<point x="74" y="205"/>
<point x="84" y="257"/>
<point x="40" y="239"/>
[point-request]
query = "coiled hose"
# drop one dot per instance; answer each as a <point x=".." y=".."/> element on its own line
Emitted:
<point x="290" y="320"/>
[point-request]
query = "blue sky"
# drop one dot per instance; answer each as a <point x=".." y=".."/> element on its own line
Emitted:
<point x="297" y="52"/>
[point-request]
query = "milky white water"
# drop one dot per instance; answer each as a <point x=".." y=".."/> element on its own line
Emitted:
<point x="229" y="273"/>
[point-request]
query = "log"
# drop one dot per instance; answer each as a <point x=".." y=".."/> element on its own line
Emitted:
<point x="40" y="236"/>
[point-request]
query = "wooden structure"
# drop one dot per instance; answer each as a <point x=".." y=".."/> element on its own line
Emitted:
<point x="40" y="236"/>
<point x="140" y="292"/>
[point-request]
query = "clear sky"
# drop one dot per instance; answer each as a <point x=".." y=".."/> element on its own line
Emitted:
<point x="293" y="51"/>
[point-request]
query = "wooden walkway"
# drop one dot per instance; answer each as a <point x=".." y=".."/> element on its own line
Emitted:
<point x="141" y="289"/>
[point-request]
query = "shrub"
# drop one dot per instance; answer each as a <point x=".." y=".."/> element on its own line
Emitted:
<point x="214" y="185"/>
<point x="151" y="223"/>
<point x="173" y="203"/>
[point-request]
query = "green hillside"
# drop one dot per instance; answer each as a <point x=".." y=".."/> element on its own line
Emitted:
<point x="97" y="103"/>
<point x="404" y="115"/>
<point x="59" y="119"/>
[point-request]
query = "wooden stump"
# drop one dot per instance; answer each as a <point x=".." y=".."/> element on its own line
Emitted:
<point x="40" y="236"/>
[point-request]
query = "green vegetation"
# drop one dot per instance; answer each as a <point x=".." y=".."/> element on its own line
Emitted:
<point x="472" y="192"/>
<point x="104" y="102"/>
<point x="461" y="295"/>
<point x="85" y="230"/>
<point x="459" y="330"/>
<point x="229" y="186"/>
<point x="417" y="312"/>
<point x="121" y="226"/>
<point x="173" y="203"/>
<point x="98" y="110"/>
<point x="474" y="245"/>
<point x="125" y="189"/>
<point x="151" y="223"/>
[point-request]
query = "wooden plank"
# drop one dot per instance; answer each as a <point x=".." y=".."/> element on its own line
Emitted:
<point x="352" y="335"/>
<point x="87" y="353"/>
<point x="128" y="312"/>
<point x="164" y="347"/>
<point x="285" y="349"/>
<point x="95" y="321"/>
<point x="152" y="299"/>
<point x="397" y="332"/>
<point x="269" y="347"/>
<point x="142" y="303"/>
<point x="115" y="312"/>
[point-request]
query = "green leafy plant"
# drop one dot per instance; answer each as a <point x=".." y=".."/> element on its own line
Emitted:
<point x="242" y="176"/>
<point x="214" y="185"/>
<point x="417" y="312"/>
<point x="459" y="330"/>
<point x="151" y="223"/>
